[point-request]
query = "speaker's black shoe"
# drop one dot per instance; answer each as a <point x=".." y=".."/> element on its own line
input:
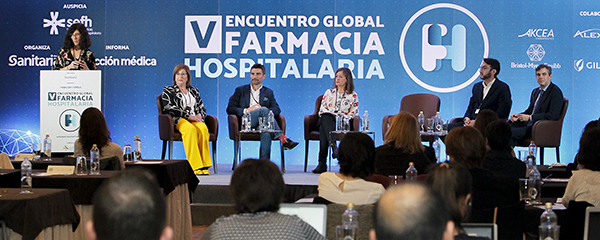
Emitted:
<point x="289" y="144"/>
<point x="321" y="168"/>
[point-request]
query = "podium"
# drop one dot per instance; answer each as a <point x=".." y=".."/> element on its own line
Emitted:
<point x="64" y="95"/>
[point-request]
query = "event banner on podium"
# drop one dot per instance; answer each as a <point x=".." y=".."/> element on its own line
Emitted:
<point x="64" y="95"/>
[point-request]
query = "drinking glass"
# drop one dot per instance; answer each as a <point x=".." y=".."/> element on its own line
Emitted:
<point x="524" y="185"/>
<point x="127" y="156"/>
<point x="430" y="125"/>
<point x="35" y="147"/>
<point x="346" y="124"/>
<point x="81" y="166"/>
<point x="262" y="123"/>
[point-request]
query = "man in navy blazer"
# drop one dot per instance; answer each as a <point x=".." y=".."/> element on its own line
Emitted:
<point x="491" y="93"/>
<point x="258" y="100"/>
<point x="546" y="103"/>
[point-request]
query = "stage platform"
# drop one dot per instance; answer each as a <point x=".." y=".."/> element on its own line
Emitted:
<point x="212" y="198"/>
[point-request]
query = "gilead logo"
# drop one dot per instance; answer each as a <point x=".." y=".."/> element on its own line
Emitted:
<point x="203" y="34"/>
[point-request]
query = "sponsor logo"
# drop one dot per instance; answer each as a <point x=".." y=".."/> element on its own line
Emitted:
<point x="589" y="13"/>
<point x="433" y="51"/>
<point x="539" y="34"/>
<point x="581" y="64"/>
<point x="590" y="33"/>
<point x="69" y="120"/>
<point x="536" y="52"/>
<point x="578" y="65"/>
<point x="203" y="34"/>
<point x="54" y="23"/>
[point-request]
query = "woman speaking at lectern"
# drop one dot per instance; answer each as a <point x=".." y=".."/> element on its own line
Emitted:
<point x="75" y="53"/>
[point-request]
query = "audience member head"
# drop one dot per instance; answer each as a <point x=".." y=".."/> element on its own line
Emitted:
<point x="588" y="156"/>
<point x="466" y="145"/>
<point x="187" y="70"/>
<point x="411" y="211"/>
<point x="494" y="64"/>
<point x="257" y="186"/>
<point x="93" y="129"/>
<point x="590" y="125"/>
<point x="356" y="155"/>
<point x="453" y="182"/>
<point x="404" y="133"/>
<point x="497" y="135"/>
<point x="84" y="41"/>
<point x="349" y="82"/>
<point x="129" y="205"/>
<point x="484" y="118"/>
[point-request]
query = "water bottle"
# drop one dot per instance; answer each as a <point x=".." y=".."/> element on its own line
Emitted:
<point x="535" y="188"/>
<point x="249" y="121"/>
<point x="26" y="176"/>
<point x="350" y="222"/>
<point x="137" y="144"/>
<point x="338" y="122"/>
<point x="94" y="160"/>
<point x="421" y="120"/>
<point x="365" y="122"/>
<point x="47" y="147"/>
<point x="532" y="149"/>
<point x="438" y="122"/>
<point x="549" y="229"/>
<point x="244" y="122"/>
<point x="411" y="172"/>
<point x="271" y="120"/>
<point x="437" y="148"/>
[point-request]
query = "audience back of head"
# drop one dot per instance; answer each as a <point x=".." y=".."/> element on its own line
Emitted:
<point x="484" y="118"/>
<point x="588" y="156"/>
<point x="129" y="206"/>
<point x="256" y="186"/>
<point x="498" y="134"/>
<point x="356" y="155"/>
<point x="454" y="183"/>
<point x="93" y="129"/>
<point x="404" y="133"/>
<point x="411" y="211"/>
<point x="466" y="145"/>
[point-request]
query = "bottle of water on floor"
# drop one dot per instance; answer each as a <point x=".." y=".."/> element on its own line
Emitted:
<point x="549" y="229"/>
<point x="411" y="172"/>
<point x="350" y="222"/>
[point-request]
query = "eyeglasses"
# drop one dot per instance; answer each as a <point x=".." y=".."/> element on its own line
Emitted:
<point x="181" y="74"/>
<point x="484" y="67"/>
<point x="76" y="35"/>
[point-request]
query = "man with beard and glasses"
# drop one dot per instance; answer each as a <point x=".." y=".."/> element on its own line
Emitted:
<point x="258" y="100"/>
<point x="491" y="93"/>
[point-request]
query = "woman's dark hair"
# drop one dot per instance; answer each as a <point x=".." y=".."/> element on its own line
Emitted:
<point x="349" y="82"/>
<point x="356" y="155"/>
<point x="589" y="149"/>
<point x="257" y="186"/>
<point x="84" y="43"/>
<point x="453" y="182"/>
<point x="484" y="118"/>
<point x="187" y="70"/>
<point x="93" y="129"/>
<point x="466" y="145"/>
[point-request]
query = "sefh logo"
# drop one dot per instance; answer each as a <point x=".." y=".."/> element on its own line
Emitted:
<point x="203" y="34"/>
<point x="69" y="120"/>
<point x="433" y="51"/>
<point x="578" y="65"/>
<point x="54" y="23"/>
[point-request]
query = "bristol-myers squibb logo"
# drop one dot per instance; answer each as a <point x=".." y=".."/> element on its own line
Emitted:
<point x="203" y="34"/>
<point x="536" y="52"/>
<point x="433" y="51"/>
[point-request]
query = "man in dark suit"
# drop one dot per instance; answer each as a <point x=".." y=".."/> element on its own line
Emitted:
<point x="258" y="100"/>
<point x="491" y="93"/>
<point x="546" y="103"/>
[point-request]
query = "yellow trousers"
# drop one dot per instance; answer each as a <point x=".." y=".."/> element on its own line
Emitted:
<point x="195" y="142"/>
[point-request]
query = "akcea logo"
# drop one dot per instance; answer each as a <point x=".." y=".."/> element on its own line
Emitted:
<point x="203" y="34"/>
<point x="51" y="96"/>
<point x="578" y="65"/>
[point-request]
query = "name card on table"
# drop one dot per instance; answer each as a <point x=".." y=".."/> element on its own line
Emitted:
<point x="22" y="156"/>
<point x="60" y="170"/>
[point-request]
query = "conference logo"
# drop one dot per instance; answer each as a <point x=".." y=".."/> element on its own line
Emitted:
<point x="203" y="34"/>
<point x="51" y="96"/>
<point x="539" y="34"/>
<point x="578" y="64"/>
<point x="433" y="51"/>
<point x="593" y="33"/>
<point x="536" y="52"/>
<point x="69" y="120"/>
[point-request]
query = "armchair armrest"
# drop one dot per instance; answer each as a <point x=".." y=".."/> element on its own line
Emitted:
<point x="547" y="132"/>
<point x="234" y="126"/>
<point x="212" y="124"/>
<point x="310" y="123"/>
<point x="281" y="121"/>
